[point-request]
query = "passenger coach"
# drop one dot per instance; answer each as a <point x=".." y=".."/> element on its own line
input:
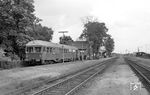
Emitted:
<point x="43" y="52"/>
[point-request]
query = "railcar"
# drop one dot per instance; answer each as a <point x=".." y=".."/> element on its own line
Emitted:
<point x="43" y="52"/>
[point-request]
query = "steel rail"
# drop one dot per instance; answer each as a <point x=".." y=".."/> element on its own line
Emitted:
<point x="137" y="69"/>
<point x="140" y="71"/>
<point x="46" y="90"/>
<point x="30" y="87"/>
<point x="78" y="86"/>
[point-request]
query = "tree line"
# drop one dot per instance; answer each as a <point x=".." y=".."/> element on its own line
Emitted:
<point x="18" y="25"/>
<point x="95" y="33"/>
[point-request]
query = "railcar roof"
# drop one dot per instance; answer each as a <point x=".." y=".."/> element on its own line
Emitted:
<point x="48" y="44"/>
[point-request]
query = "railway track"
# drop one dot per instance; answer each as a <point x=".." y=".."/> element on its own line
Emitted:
<point x="28" y="89"/>
<point x="143" y="72"/>
<point x="71" y="85"/>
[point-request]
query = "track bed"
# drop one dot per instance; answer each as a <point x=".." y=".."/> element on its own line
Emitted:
<point x="70" y="85"/>
<point x="142" y="71"/>
<point x="19" y="78"/>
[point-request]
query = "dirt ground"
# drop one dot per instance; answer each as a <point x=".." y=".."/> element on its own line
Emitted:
<point x="116" y="80"/>
<point x="19" y="77"/>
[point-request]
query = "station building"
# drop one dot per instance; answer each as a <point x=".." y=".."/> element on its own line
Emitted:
<point x="83" y="48"/>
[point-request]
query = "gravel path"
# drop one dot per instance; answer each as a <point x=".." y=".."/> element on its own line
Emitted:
<point x="114" y="81"/>
<point x="19" y="77"/>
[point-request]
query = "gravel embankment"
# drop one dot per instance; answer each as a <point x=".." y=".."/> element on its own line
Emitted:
<point x="143" y="61"/>
<point x="116" y="80"/>
<point x="18" y="77"/>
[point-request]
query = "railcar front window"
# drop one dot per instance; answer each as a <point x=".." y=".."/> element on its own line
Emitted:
<point x="44" y="49"/>
<point x="37" y="49"/>
<point x="47" y="49"/>
<point x="29" y="49"/>
<point x="51" y="49"/>
<point x="74" y="50"/>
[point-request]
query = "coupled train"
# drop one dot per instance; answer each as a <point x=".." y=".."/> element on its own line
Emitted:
<point x="43" y="52"/>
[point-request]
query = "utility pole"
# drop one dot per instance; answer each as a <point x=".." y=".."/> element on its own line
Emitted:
<point x="138" y="49"/>
<point x="62" y="44"/>
<point x="82" y="50"/>
<point x="63" y="32"/>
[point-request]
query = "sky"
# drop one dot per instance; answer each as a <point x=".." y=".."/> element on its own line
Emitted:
<point x="128" y="21"/>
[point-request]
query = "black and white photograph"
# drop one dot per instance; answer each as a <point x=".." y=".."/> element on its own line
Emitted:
<point x="74" y="47"/>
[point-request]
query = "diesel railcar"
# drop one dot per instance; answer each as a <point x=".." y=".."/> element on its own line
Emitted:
<point x="43" y="52"/>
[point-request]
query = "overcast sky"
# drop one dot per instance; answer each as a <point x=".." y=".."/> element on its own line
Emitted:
<point x="128" y="21"/>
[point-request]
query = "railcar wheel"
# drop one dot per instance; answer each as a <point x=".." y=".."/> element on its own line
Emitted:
<point x="61" y="60"/>
<point x="51" y="62"/>
<point x="44" y="62"/>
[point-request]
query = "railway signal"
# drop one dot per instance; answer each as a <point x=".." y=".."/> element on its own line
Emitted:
<point x="63" y="45"/>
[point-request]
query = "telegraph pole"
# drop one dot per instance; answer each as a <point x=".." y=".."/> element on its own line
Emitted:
<point x="63" y="32"/>
<point x="138" y="49"/>
<point x="82" y="50"/>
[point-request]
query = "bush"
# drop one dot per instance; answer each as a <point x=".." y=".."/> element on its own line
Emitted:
<point x="10" y="64"/>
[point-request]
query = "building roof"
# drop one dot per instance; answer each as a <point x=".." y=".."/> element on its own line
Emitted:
<point x="48" y="44"/>
<point x="80" y="44"/>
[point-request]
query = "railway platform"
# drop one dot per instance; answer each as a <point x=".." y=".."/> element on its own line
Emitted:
<point x="118" y="79"/>
<point x="16" y="78"/>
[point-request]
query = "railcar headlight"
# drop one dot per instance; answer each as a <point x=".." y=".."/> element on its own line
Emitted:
<point x="26" y="56"/>
<point x="37" y="59"/>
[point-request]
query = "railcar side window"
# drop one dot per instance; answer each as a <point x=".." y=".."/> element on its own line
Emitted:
<point x="29" y="49"/>
<point x="70" y="50"/>
<point x="47" y="49"/>
<point x="37" y="49"/>
<point x="67" y="50"/>
<point x="64" y="50"/>
<point x="51" y="49"/>
<point x="44" y="49"/>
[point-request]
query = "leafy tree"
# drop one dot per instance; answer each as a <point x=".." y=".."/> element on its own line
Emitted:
<point x="94" y="32"/>
<point x="65" y="40"/>
<point x="39" y="32"/>
<point x="19" y="25"/>
<point x="109" y="45"/>
<point x="15" y="18"/>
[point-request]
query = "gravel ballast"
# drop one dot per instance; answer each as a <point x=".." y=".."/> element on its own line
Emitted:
<point x="116" y="80"/>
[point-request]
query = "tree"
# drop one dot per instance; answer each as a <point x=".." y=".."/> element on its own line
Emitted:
<point x="109" y="45"/>
<point x="19" y="25"/>
<point x="15" y="17"/>
<point x="94" y="32"/>
<point x="65" y="40"/>
<point x="39" y="32"/>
